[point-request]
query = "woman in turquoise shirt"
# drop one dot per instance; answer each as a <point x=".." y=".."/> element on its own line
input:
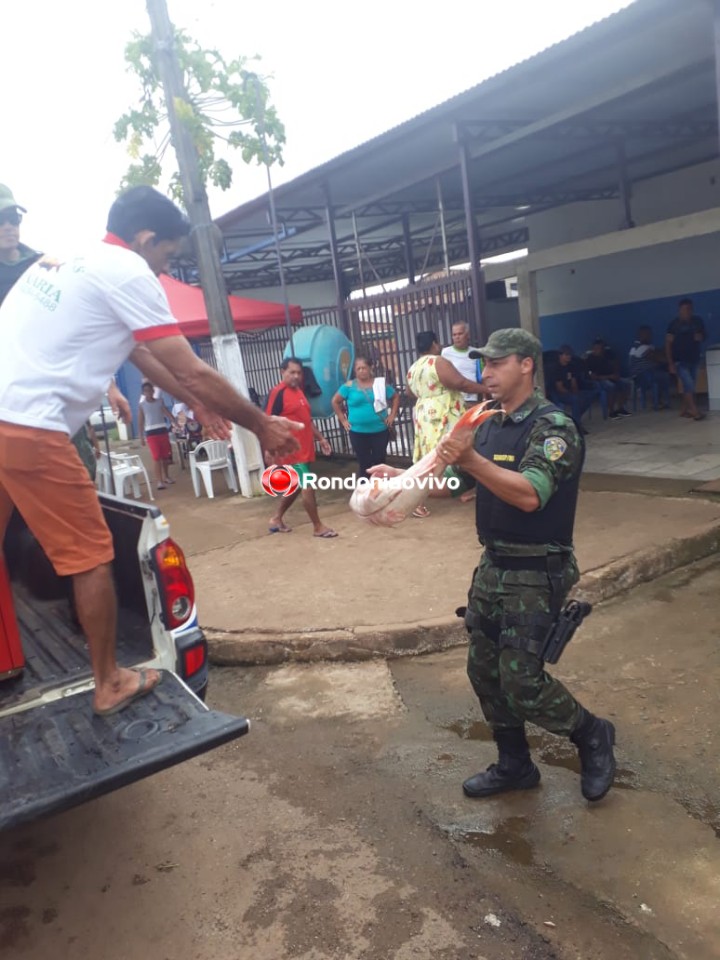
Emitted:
<point x="362" y="408"/>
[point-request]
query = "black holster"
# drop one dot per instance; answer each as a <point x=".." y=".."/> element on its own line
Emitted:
<point x="563" y="628"/>
<point x="545" y="635"/>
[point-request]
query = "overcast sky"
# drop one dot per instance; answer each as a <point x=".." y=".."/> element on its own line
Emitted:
<point x="341" y="73"/>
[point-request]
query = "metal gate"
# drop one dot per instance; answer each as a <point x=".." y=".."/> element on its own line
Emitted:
<point x="384" y="327"/>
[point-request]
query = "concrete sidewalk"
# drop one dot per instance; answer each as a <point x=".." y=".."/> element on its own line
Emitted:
<point x="267" y="598"/>
<point x="656" y="444"/>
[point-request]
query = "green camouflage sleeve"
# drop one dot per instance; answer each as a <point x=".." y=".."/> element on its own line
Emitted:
<point x="554" y="454"/>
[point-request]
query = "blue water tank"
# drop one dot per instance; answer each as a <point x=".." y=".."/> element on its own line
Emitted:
<point x="328" y="353"/>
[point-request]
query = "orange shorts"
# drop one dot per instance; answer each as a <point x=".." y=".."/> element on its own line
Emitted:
<point x="41" y="473"/>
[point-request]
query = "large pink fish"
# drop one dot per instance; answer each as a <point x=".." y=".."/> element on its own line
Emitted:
<point x="388" y="501"/>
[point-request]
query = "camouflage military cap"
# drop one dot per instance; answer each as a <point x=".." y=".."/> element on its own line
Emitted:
<point x="503" y="343"/>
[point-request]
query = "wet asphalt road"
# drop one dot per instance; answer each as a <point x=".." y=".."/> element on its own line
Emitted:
<point x="337" y="828"/>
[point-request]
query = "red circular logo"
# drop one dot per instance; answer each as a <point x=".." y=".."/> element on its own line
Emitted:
<point x="280" y="481"/>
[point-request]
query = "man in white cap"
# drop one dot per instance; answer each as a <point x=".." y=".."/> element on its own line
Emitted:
<point x="15" y="257"/>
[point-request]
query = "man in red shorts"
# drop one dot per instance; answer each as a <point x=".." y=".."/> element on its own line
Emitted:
<point x="287" y="399"/>
<point x="154" y="432"/>
<point x="68" y="325"/>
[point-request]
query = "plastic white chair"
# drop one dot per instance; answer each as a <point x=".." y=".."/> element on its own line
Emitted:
<point x="217" y="459"/>
<point x="125" y="466"/>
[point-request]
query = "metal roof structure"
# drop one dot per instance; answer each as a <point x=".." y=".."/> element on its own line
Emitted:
<point x="628" y="98"/>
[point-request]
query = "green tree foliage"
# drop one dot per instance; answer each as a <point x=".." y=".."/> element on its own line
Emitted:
<point x="225" y="105"/>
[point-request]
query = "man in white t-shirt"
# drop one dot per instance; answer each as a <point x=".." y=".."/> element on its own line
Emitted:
<point x="67" y="326"/>
<point x="459" y="356"/>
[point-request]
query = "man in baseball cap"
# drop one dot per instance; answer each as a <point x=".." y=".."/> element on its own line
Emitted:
<point x="15" y="257"/>
<point x="504" y="343"/>
<point x="525" y="465"/>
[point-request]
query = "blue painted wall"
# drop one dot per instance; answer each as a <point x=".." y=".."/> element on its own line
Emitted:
<point x="618" y="323"/>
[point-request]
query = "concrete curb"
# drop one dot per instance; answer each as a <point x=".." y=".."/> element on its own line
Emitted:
<point x="264" y="647"/>
<point x="621" y="575"/>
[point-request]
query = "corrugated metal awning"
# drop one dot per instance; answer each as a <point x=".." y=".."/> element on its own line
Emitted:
<point x="540" y="134"/>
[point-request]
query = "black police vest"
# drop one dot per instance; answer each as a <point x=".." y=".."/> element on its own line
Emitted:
<point x="505" y="445"/>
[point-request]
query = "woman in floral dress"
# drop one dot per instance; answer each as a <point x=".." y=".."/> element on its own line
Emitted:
<point x="437" y="388"/>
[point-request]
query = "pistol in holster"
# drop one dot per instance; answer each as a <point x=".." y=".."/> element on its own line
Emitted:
<point x="563" y="629"/>
<point x="548" y="641"/>
<point x="566" y="620"/>
<point x="547" y="634"/>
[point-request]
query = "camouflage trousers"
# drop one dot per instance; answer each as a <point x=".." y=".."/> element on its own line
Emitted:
<point x="512" y="684"/>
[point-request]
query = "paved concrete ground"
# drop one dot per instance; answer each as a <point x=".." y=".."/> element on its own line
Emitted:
<point x="337" y="830"/>
<point x="353" y="593"/>
<point x="419" y="570"/>
<point x="655" y="444"/>
<point x="264" y="598"/>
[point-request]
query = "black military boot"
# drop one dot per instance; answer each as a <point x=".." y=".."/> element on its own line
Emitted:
<point x="513" y="771"/>
<point x="595" y="739"/>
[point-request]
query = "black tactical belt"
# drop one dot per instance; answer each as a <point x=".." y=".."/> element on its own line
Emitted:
<point x="514" y="562"/>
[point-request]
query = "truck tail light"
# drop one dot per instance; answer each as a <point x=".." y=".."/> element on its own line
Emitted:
<point x="176" y="585"/>
<point x="194" y="659"/>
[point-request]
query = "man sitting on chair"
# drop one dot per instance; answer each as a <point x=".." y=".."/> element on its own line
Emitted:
<point x="563" y="386"/>
<point x="645" y="370"/>
<point x="603" y="370"/>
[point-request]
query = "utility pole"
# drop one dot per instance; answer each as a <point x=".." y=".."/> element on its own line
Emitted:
<point x="226" y="346"/>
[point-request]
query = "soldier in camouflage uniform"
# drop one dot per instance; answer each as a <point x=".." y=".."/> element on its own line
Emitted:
<point x="526" y="467"/>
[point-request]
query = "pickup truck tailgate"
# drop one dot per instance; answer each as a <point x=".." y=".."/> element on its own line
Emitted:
<point x="60" y="754"/>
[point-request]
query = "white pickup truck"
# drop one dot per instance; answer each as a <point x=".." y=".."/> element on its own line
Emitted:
<point x="54" y="752"/>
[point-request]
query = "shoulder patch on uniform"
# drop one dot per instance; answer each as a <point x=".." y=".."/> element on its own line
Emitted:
<point x="554" y="447"/>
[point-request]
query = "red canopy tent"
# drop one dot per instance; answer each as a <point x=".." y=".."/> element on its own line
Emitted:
<point x="187" y="305"/>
